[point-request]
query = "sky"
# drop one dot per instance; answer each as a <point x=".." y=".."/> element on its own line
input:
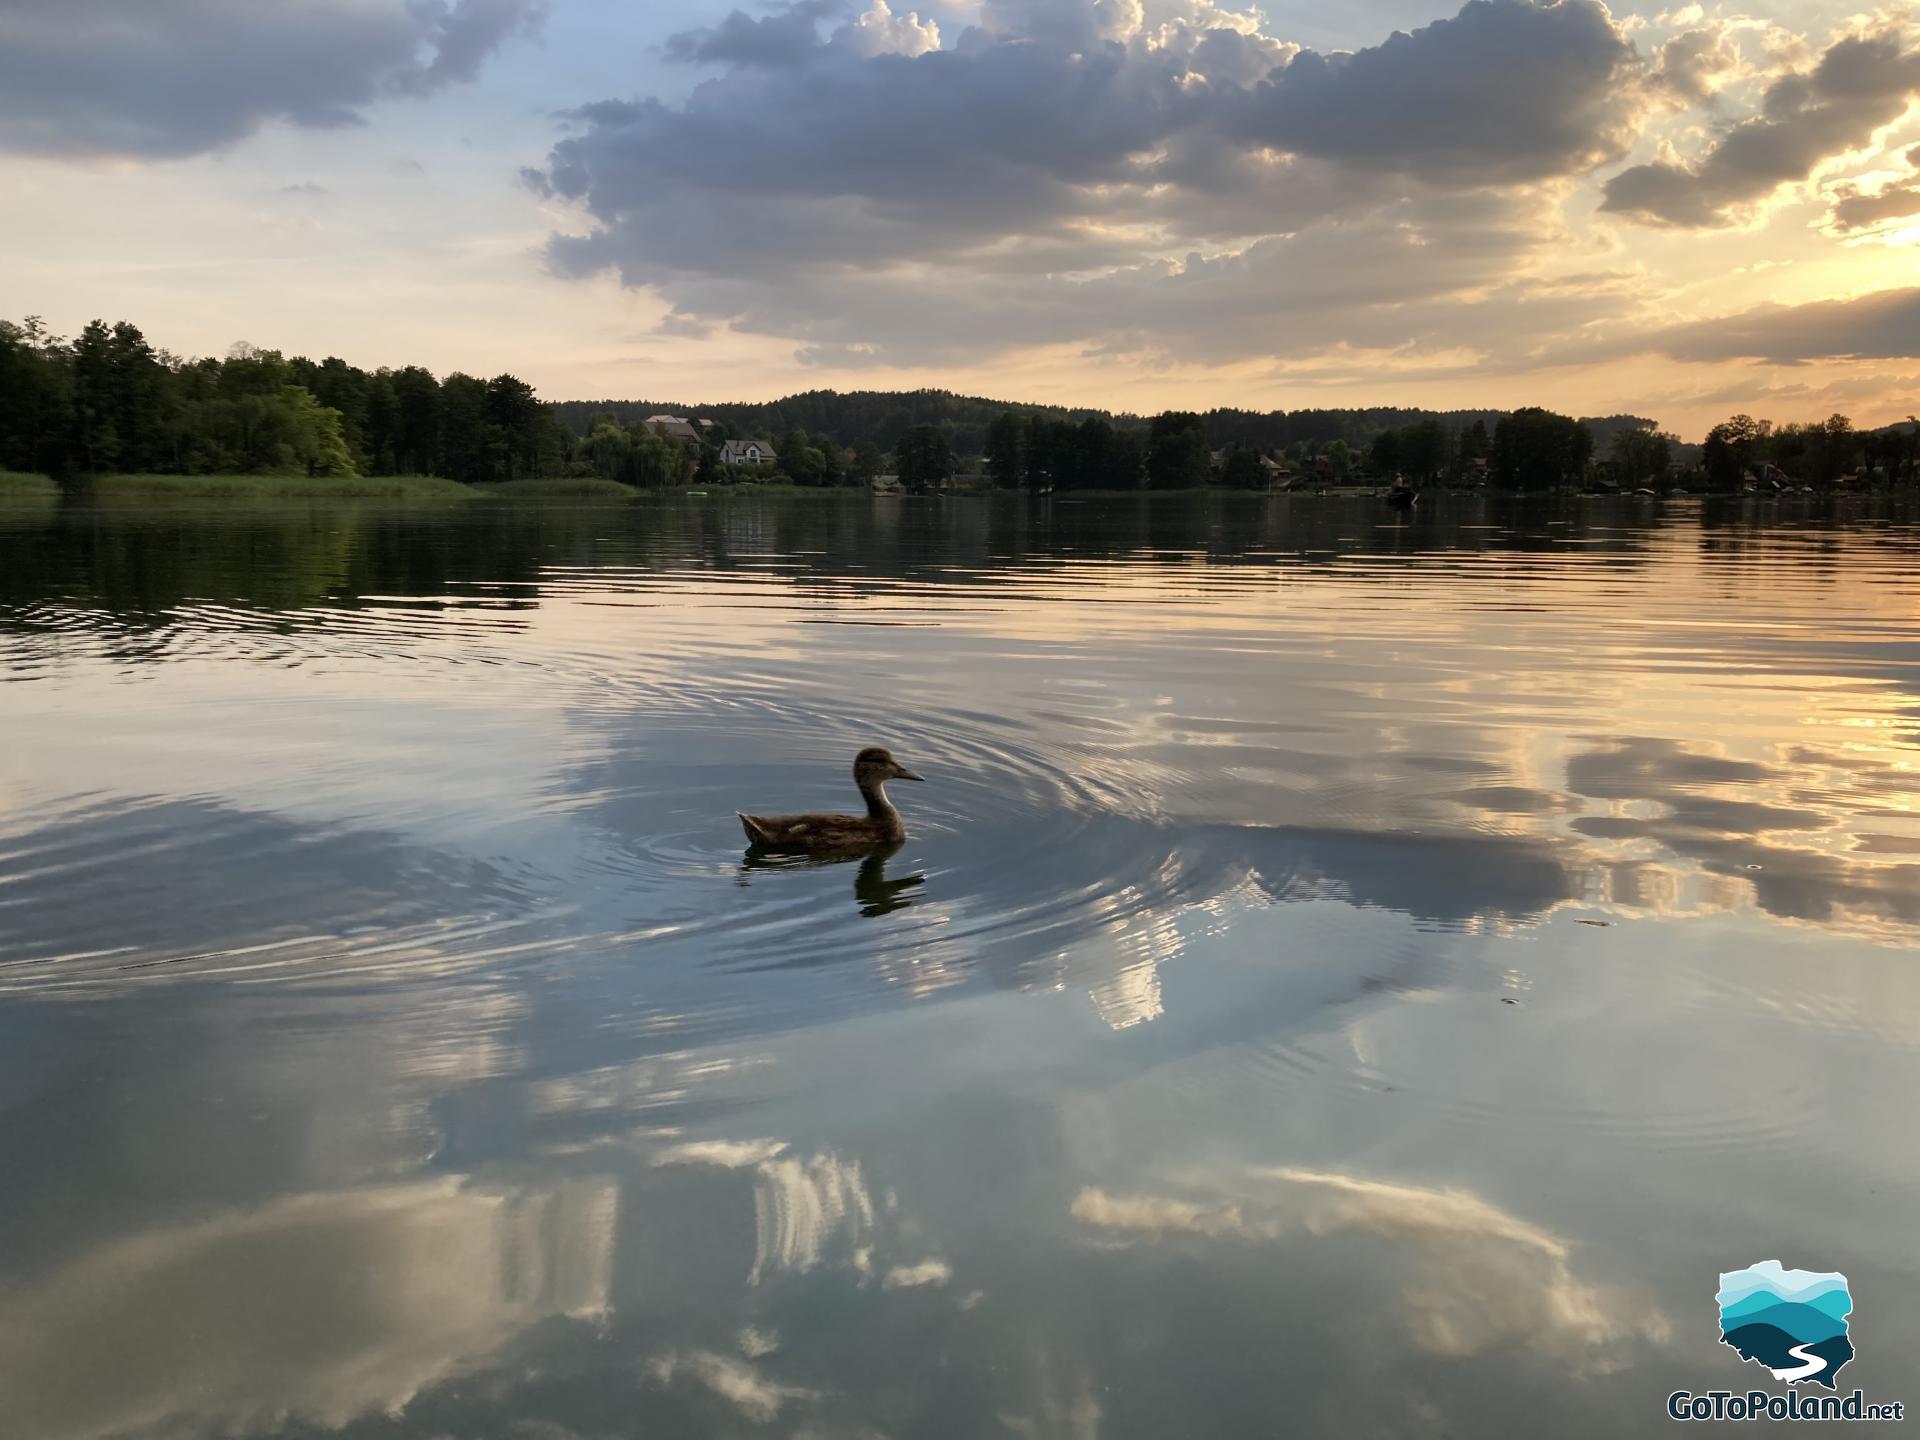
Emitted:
<point x="1136" y="204"/>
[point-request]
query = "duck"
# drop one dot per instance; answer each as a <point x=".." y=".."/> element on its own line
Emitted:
<point x="881" y="825"/>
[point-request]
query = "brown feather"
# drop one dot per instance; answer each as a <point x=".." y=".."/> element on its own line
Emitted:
<point x="881" y="825"/>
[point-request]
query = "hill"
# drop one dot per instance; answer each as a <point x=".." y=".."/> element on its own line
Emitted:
<point x="878" y="417"/>
<point x="881" y="417"/>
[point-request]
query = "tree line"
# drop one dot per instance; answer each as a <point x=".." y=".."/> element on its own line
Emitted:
<point x="882" y="419"/>
<point x="107" y="401"/>
<point x="1745" y="451"/>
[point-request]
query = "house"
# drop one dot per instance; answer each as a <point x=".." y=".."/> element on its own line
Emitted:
<point x="674" y="427"/>
<point x="746" y="452"/>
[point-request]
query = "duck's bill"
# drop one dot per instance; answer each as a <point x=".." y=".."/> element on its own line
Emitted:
<point x="900" y="772"/>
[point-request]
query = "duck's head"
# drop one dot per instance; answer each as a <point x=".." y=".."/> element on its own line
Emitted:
<point x="874" y="766"/>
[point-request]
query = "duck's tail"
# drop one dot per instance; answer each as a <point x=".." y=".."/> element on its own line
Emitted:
<point x="755" y="834"/>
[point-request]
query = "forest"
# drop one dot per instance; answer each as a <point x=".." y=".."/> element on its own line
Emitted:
<point x="108" y="402"/>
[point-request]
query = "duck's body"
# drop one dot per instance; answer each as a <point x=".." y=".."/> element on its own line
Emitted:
<point x="881" y="825"/>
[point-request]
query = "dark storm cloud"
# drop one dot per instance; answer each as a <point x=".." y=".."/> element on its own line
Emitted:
<point x="149" y="80"/>
<point x="1882" y="326"/>
<point x="1049" y="171"/>
<point x="1862" y="83"/>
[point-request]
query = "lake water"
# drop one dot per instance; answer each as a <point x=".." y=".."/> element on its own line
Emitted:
<point x="1346" y="976"/>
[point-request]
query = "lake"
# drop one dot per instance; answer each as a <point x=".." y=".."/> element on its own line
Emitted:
<point x="1347" y="975"/>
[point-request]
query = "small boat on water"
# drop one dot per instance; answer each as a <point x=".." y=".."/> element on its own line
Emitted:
<point x="1401" y="496"/>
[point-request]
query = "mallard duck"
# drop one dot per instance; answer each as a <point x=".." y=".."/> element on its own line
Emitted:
<point x="881" y="825"/>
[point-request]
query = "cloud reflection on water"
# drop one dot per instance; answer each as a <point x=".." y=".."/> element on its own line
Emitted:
<point x="1233" y="834"/>
<point x="1480" y="1278"/>
<point x="317" y="1308"/>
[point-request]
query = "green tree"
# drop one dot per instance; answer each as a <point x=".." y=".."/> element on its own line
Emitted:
<point x="806" y="461"/>
<point x="515" y="425"/>
<point x="1640" y="455"/>
<point x="36" y="398"/>
<point x="382" y="425"/>
<point x="1732" y="448"/>
<point x="342" y="387"/>
<point x="1243" y="470"/>
<point x="1423" y="449"/>
<point x="416" y="440"/>
<point x="868" y="463"/>
<point x="1836" y="448"/>
<point x="1383" y="455"/>
<point x="924" y="458"/>
<point x="1535" y="447"/>
<point x="95" y="411"/>
<point x="1101" y="457"/>
<point x="1339" y="461"/>
<point x="310" y="436"/>
<point x="1005" y="462"/>
<point x="465" y="453"/>
<point x="1177" y="455"/>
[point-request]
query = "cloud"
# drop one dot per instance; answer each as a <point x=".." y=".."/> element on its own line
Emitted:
<point x="1878" y="326"/>
<point x="912" y="1277"/>
<point x="881" y="32"/>
<point x="802" y="1205"/>
<point x="1694" y="61"/>
<point x="1506" y="91"/>
<point x="134" y="79"/>
<point x="1481" y="1279"/>
<point x="788" y="36"/>
<point x="1851" y="209"/>
<point x="1067" y="172"/>
<point x="1862" y="212"/>
<point x="1807" y="118"/>
<point x="395" y="1289"/>
<point x="461" y="34"/>
<point x="734" y="1381"/>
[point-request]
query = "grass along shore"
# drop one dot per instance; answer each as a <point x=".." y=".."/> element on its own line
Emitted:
<point x="270" y="487"/>
<point x="16" y="486"/>
<point x="310" y="487"/>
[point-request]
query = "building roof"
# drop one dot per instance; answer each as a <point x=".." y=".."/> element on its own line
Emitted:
<point x="676" y="426"/>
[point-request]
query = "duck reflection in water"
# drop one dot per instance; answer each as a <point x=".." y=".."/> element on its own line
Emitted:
<point x="873" y="890"/>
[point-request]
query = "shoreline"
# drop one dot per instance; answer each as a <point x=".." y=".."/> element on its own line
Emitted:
<point x="21" y="487"/>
